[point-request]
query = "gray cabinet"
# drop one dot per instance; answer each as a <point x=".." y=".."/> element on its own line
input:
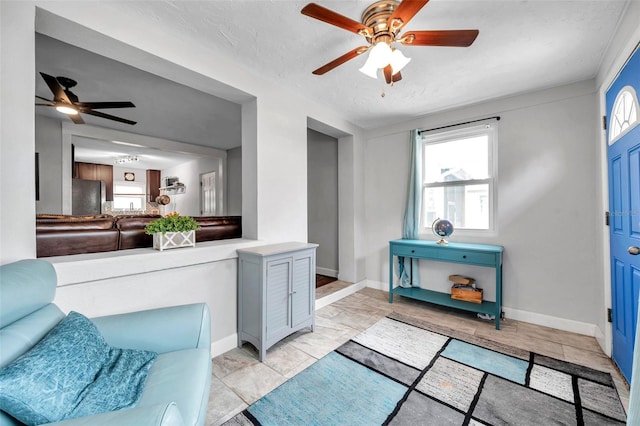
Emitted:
<point x="276" y="293"/>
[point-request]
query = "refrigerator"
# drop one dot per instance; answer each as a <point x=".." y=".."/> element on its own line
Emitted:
<point x="87" y="196"/>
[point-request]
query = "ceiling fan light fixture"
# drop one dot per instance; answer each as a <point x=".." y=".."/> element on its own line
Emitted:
<point x="380" y="55"/>
<point x="380" y="24"/>
<point x="66" y="110"/>
<point x="369" y="69"/>
<point x="398" y="61"/>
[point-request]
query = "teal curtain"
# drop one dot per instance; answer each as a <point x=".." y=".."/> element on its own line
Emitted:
<point x="634" y="397"/>
<point x="407" y="267"/>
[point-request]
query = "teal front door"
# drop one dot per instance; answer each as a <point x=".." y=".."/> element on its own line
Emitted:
<point x="623" y="158"/>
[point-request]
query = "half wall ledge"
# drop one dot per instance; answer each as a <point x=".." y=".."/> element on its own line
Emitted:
<point x="84" y="268"/>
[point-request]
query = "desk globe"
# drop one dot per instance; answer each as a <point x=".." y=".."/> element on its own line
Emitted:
<point x="442" y="228"/>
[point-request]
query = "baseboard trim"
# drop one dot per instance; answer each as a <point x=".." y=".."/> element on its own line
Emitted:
<point x="224" y="345"/>
<point x="550" y="321"/>
<point x="378" y="285"/>
<point x="327" y="272"/>
<point x="531" y="317"/>
<point x="340" y="294"/>
<point x="602" y="341"/>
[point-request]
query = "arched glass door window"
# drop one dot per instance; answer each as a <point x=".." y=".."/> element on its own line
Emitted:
<point x="624" y="114"/>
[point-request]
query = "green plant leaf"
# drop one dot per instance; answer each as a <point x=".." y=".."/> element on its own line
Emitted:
<point x="172" y="224"/>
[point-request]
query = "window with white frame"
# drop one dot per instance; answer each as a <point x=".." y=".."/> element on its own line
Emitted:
<point x="129" y="196"/>
<point x="624" y="114"/>
<point x="459" y="177"/>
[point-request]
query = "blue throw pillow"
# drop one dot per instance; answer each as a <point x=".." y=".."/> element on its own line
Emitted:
<point x="72" y="372"/>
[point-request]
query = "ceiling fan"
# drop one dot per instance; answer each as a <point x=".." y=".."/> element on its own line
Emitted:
<point x="380" y="26"/>
<point x="66" y="102"/>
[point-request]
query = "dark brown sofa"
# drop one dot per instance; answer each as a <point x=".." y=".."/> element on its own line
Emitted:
<point x="132" y="233"/>
<point x="58" y="235"/>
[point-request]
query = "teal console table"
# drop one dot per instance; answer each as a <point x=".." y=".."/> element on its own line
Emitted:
<point x="468" y="254"/>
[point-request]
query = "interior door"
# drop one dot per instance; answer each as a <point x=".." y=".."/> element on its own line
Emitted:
<point x="208" y="194"/>
<point x="623" y="157"/>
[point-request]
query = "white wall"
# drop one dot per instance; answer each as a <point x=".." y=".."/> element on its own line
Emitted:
<point x="54" y="138"/>
<point x="278" y="124"/>
<point x="234" y="182"/>
<point x="622" y="46"/>
<point x="547" y="203"/>
<point x="167" y="287"/>
<point x="274" y="198"/>
<point x="206" y="273"/>
<point x="17" y="135"/>
<point x="49" y="145"/>
<point x="188" y="204"/>
<point x="551" y="275"/>
<point x="140" y="174"/>
<point x="322" y="184"/>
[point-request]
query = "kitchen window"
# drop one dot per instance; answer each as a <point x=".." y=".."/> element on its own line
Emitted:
<point x="129" y="196"/>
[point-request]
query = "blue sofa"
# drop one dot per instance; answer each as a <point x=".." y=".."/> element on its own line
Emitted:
<point x="176" y="390"/>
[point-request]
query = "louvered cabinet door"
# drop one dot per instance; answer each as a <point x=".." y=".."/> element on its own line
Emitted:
<point x="303" y="288"/>
<point x="276" y="293"/>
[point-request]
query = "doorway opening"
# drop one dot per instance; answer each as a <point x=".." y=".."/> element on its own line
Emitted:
<point x="322" y="204"/>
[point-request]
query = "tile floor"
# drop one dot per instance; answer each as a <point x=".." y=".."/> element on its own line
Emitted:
<point x="239" y="379"/>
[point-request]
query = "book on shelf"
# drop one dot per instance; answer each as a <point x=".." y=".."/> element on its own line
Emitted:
<point x="459" y="279"/>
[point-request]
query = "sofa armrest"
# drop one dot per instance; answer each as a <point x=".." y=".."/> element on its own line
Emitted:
<point x="160" y="330"/>
<point x="160" y="415"/>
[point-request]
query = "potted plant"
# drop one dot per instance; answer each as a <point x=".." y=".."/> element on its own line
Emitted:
<point x="173" y="231"/>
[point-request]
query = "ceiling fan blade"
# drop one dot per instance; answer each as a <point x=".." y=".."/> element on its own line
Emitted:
<point x="387" y="74"/>
<point x="44" y="99"/>
<point x="105" y="105"/>
<point x="404" y="12"/>
<point x="330" y="17"/>
<point x="389" y="78"/>
<point x="454" y="38"/>
<point x="341" y="60"/>
<point x="109" y="117"/>
<point x="56" y="88"/>
<point x="76" y="118"/>
<point x="48" y="105"/>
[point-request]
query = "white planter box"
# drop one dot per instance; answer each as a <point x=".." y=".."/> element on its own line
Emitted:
<point x="170" y="240"/>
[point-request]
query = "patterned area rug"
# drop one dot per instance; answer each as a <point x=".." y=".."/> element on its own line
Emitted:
<point x="403" y="371"/>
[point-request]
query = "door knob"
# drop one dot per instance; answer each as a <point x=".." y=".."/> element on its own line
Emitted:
<point x="634" y="250"/>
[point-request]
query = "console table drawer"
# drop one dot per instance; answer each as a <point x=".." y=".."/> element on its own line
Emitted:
<point x="472" y="258"/>
<point x="445" y="254"/>
<point x="421" y="252"/>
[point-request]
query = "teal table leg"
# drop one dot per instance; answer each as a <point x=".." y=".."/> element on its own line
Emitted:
<point x="498" y="295"/>
<point x="390" y="276"/>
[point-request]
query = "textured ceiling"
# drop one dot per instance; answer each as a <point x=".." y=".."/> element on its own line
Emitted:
<point x="522" y="46"/>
